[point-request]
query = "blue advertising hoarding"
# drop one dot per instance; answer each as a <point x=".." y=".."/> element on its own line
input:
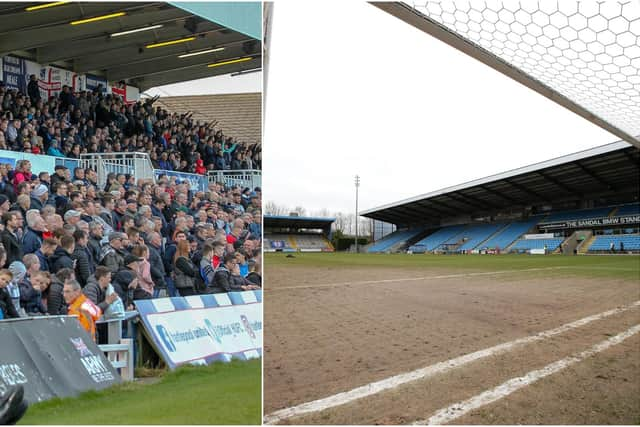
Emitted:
<point x="203" y="329"/>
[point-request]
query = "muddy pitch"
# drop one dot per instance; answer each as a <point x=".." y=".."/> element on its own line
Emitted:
<point x="330" y="330"/>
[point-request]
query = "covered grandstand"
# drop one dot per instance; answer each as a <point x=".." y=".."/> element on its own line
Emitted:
<point x="586" y="202"/>
<point x="297" y="234"/>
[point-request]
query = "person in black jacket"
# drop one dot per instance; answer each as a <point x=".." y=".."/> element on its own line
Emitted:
<point x="12" y="223"/>
<point x="185" y="270"/>
<point x="61" y="258"/>
<point x="56" y="304"/>
<point x="228" y="279"/>
<point x="85" y="264"/>
<point x="33" y="90"/>
<point x="96" y="233"/>
<point x="7" y="309"/>
<point x="125" y="283"/>
<point x="31" y="288"/>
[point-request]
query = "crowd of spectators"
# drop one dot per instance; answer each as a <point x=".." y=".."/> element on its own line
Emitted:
<point x="95" y="122"/>
<point x="70" y="247"/>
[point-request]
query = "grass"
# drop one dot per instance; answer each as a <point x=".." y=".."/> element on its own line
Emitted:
<point x="606" y="266"/>
<point x="222" y="393"/>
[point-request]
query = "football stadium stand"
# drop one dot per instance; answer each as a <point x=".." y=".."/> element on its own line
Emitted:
<point x="577" y="204"/>
<point x="297" y="234"/>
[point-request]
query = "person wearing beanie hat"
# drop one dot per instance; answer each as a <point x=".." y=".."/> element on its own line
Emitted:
<point x="18" y="270"/>
<point x="39" y="196"/>
<point x="112" y="255"/>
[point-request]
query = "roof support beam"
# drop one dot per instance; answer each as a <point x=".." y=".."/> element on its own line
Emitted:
<point x="634" y="161"/>
<point x="137" y="53"/>
<point x="435" y="206"/>
<point x="526" y="190"/>
<point x="500" y="195"/>
<point x="473" y="201"/>
<point x="173" y="28"/>
<point x="22" y="20"/>
<point x="147" y="82"/>
<point x="172" y="62"/>
<point x="595" y="176"/>
<point x="39" y="37"/>
<point x="559" y="184"/>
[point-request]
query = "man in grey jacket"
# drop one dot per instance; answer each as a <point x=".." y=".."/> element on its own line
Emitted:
<point x="112" y="254"/>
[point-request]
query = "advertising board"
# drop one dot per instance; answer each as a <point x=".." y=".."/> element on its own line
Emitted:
<point x="202" y="329"/>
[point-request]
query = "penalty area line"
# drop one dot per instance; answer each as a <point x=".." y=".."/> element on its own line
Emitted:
<point x="459" y="409"/>
<point x="411" y="279"/>
<point x="430" y="371"/>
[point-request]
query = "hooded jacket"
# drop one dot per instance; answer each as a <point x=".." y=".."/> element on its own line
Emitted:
<point x="60" y="259"/>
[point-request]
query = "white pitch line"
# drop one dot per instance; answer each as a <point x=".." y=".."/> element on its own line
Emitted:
<point x="429" y="371"/>
<point x="409" y="279"/>
<point x="459" y="409"/>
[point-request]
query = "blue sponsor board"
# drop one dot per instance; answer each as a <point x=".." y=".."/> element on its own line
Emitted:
<point x="92" y="82"/>
<point x="14" y="73"/>
<point x="202" y="329"/>
<point x="196" y="182"/>
<point x="39" y="162"/>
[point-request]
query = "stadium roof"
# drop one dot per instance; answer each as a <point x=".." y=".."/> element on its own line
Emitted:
<point x="48" y="37"/>
<point x="277" y="221"/>
<point x="584" y="56"/>
<point x="605" y="171"/>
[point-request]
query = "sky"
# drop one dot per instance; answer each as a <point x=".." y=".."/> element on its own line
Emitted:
<point x="353" y="90"/>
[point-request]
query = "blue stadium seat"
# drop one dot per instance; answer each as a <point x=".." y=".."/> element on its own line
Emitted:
<point x="603" y="243"/>
<point x="630" y="209"/>
<point x="477" y="234"/>
<point x="526" y="244"/>
<point x="510" y="233"/>
<point x="434" y="240"/>
<point x="389" y="240"/>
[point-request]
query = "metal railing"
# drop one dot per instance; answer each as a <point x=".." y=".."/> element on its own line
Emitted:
<point x="121" y="357"/>
<point x="251" y="178"/>
<point x="135" y="164"/>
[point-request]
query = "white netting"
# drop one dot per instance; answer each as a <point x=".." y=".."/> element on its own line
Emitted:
<point x="587" y="51"/>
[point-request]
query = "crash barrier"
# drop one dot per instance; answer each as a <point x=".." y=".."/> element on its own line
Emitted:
<point x="52" y="356"/>
<point x="137" y="165"/>
<point x="203" y="329"/>
<point x="121" y="357"/>
<point x="243" y="178"/>
<point x="120" y="351"/>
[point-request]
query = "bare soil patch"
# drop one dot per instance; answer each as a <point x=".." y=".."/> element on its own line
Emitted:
<point x="335" y="333"/>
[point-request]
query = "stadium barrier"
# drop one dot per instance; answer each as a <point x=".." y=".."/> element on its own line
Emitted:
<point x="121" y="357"/>
<point x="203" y="329"/>
<point x="251" y="178"/>
<point x="52" y="356"/>
<point x="137" y="165"/>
